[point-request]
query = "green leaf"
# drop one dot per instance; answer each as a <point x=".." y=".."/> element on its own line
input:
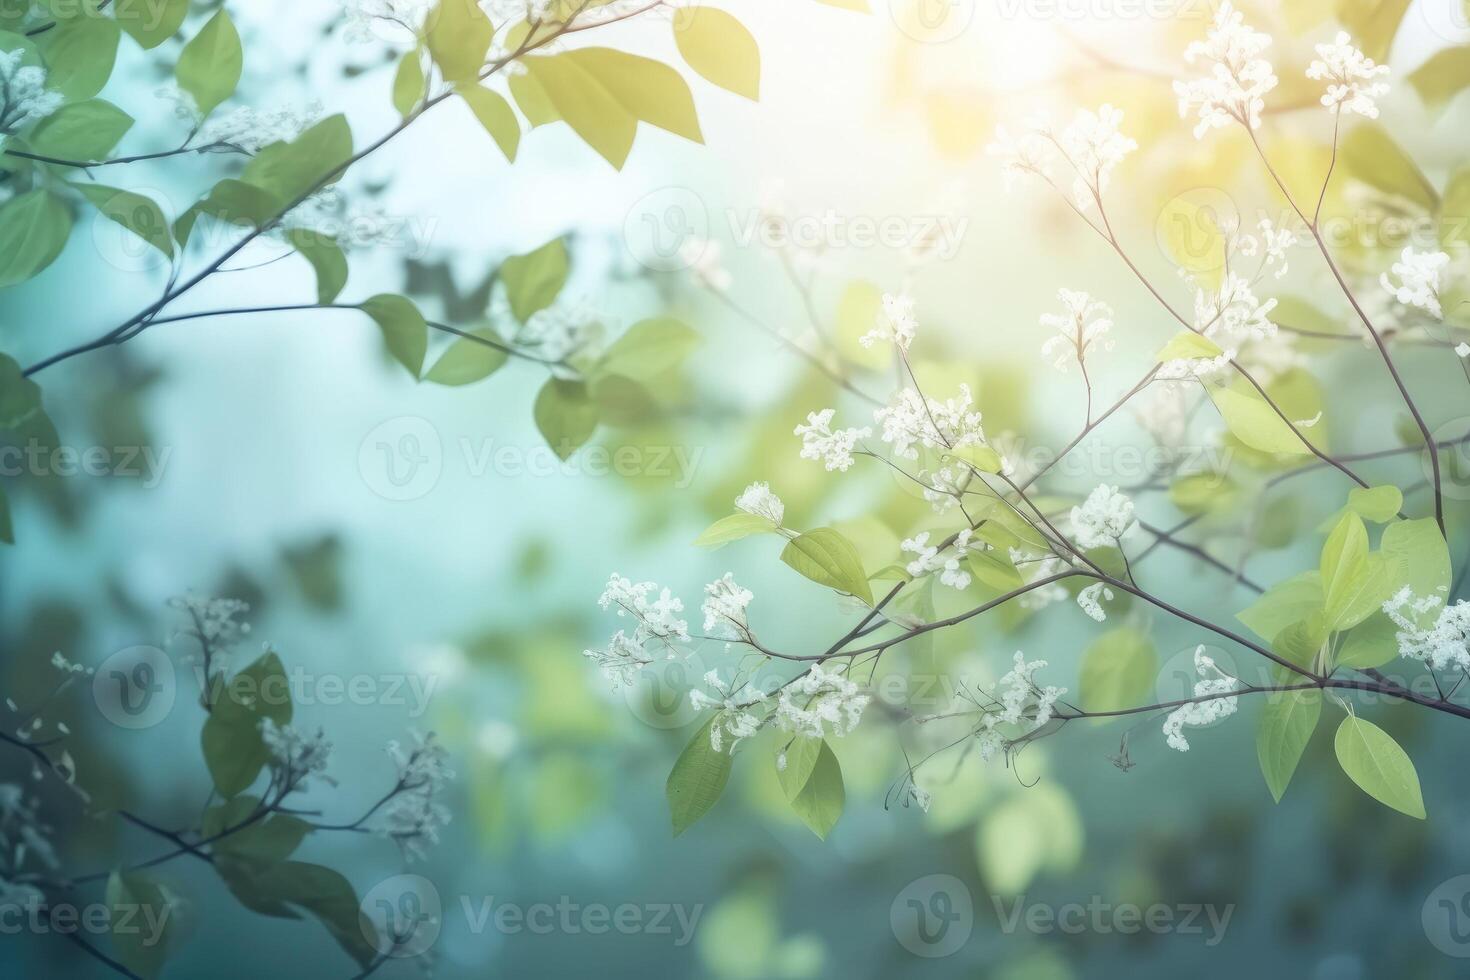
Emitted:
<point x="496" y="115"/>
<point x="733" y="528"/>
<point x="34" y="228"/>
<point x="1283" y="604"/>
<point x="1344" y="565"/>
<point x="1371" y="156"/>
<point x="1420" y="559"/>
<point x="234" y="751"/>
<point x="405" y="331"/>
<point x="293" y="170"/>
<point x="20" y="397"/>
<point x="327" y="260"/>
<point x="321" y="892"/>
<point x="209" y="66"/>
<point x="81" y="131"/>
<point x="143" y="919"/>
<point x="648" y="349"/>
<point x="469" y="359"/>
<point x="80" y="54"/>
<point x="138" y="214"/>
<point x="409" y="84"/>
<point x="720" y="48"/>
<point x="827" y="558"/>
<point x="534" y="280"/>
<point x="234" y="202"/>
<point x="1204" y="493"/>
<point x="458" y="37"/>
<point x="151" y="22"/>
<point x="696" y="781"/>
<point x="1118" y="670"/>
<point x="1373" y="760"/>
<point x="995" y="571"/>
<point x="603" y="94"/>
<point x="1372" y="643"/>
<point x="7" y="530"/>
<point x="1445" y="75"/>
<point x="1255" y="423"/>
<point x="533" y="99"/>
<point x="1287" y="723"/>
<point x="812" y="782"/>
<point x="274" y="838"/>
<point x="566" y="416"/>
<point x="1188" y="346"/>
<point x="1377" y="504"/>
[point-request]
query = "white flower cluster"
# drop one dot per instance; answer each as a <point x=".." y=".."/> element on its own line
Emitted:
<point x="820" y="442"/>
<point x="1238" y="80"/>
<point x="363" y="18"/>
<point x="1091" y="144"/>
<point x="1418" y="285"/>
<point x="896" y="323"/>
<point x="557" y="332"/>
<point x="216" y="623"/>
<point x="912" y="421"/>
<point x="1214" y="683"/>
<point x="1104" y="517"/>
<point x="252" y="130"/>
<point x="24" y="98"/>
<point x="1094" y="146"/>
<point x="758" y="499"/>
<point x="946" y="561"/>
<point x="657" y="619"/>
<point x="296" y="756"/>
<point x="1232" y="315"/>
<point x="724" y="608"/>
<point x="1272" y="245"/>
<point x="1019" y="702"/>
<point x="413" y="815"/>
<point x="1091" y="599"/>
<point x="1445" y="644"/>
<point x="820" y="703"/>
<point x="1085" y="323"/>
<point x="1350" y="77"/>
<point x="733" y="702"/>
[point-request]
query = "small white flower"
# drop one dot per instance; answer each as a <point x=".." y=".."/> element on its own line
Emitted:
<point x="1094" y="147"/>
<point x="1213" y="683"/>
<point x="1349" y="75"/>
<point x="820" y="704"/>
<point x="296" y="756"/>
<point x="1418" y="274"/>
<point x="1462" y="349"/>
<point x="364" y="20"/>
<point x="724" y="608"/>
<point x="896" y="323"/>
<point x="758" y="499"/>
<point x="252" y="130"/>
<point x="1104" y="517"/>
<point x="24" y="98"/>
<point x="1091" y="599"/>
<point x="1085" y="324"/>
<point x="912" y="421"/>
<point x="1445" y="643"/>
<point x="1238" y="80"/>
<point x="414" y="816"/>
<point x="734" y="703"/>
<point x="819" y="442"/>
<point x="947" y="562"/>
<point x="1029" y="155"/>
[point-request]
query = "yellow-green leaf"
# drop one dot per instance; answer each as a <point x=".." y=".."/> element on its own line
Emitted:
<point x="720" y="48"/>
<point x="1383" y="770"/>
